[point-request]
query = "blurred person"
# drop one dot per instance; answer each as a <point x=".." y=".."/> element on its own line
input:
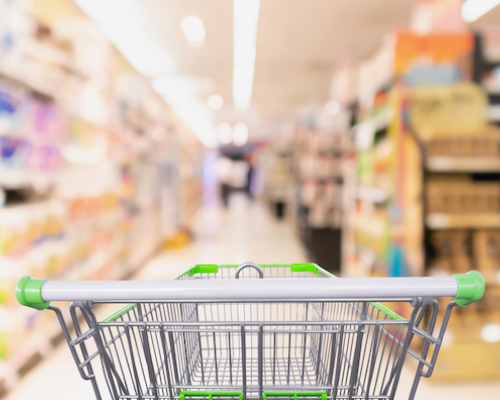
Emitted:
<point x="250" y="175"/>
<point x="224" y="176"/>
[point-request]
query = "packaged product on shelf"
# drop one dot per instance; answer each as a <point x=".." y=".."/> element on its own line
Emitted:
<point x="69" y="127"/>
<point x="324" y="168"/>
<point x="476" y="143"/>
<point x="14" y="104"/>
<point x="459" y="194"/>
<point x="486" y="249"/>
<point x="337" y="216"/>
<point x="333" y="193"/>
<point x="321" y="143"/>
<point x="335" y="168"/>
<point x="319" y="215"/>
<point x="307" y="166"/>
<point x="453" y="250"/>
<point x="489" y="303"/>
<point x="310" y="192"/>
<point x="11" y="328"/>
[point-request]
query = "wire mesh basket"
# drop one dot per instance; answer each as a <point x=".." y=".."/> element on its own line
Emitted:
<point x="267" y="332"/>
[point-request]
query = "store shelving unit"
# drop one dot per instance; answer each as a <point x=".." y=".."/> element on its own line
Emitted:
<point x="83" y="176"/>
<point x="398" y="224"/>
<point x="462" y="164"/>
<point x="276" y="164"/>
<point x="320" y="155"/>
<point x="465" y="221"/>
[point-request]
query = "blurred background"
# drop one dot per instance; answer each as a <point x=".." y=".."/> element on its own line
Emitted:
<point x="140" y="137"/>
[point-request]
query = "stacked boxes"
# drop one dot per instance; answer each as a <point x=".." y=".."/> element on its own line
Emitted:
<point x="459" y="194"/>
<point x="453" y="250"/>
<point x="459" y="251"/>
<point x="486" y="252"/>
<point x="486" y="146"/>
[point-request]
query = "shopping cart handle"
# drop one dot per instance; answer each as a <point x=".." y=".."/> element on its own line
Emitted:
<point x="465" y="288"/>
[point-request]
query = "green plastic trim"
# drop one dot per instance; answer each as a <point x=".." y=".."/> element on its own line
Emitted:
<point x="379" y="306"/>
<point x="198" y="395"/>
<point x="180" y="275"/>
<point x="118" y="314"/>
<point x="305" y="267"/>
<point x="29" y="293"/>
<point x="387" y="311"/>
<point x="325" y="272"/>
<point x="260" y="265"/>
<point x="294" y="395"/>
<point x="470" y="288"/>
<point x="297" y="267"/>
<point x="224" y="395"/>
<point x="204" y="269"/>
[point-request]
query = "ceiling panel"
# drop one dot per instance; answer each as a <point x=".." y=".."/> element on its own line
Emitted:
<point x="297" y="45"/>
<point x="299" y="41"/>
<point x="214" y="59"/>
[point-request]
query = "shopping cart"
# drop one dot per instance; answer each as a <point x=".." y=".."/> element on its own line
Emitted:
<point x="252" y="332"/>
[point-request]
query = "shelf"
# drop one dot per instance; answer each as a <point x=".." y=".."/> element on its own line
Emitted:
<point x="449" y="221"/>
<point x="365" y="131"/>
<point x="463" y="164"/>
<point x="17" y="179"/>
<point x="37" y="88"/>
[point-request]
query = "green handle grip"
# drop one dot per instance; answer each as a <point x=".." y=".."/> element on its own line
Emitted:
<point x="29" y="293"/>
<point x="470" y="288"/>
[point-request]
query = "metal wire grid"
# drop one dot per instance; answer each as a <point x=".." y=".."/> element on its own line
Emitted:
<point x="349" y="350"/>
<point x="270" y="272"/>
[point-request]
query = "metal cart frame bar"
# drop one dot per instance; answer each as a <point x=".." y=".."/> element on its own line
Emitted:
<point x="200" y="337"/>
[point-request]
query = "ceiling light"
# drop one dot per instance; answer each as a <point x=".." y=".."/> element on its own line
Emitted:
<point x="180" y="92"/>
<point x="123" y="23"/>
<point x="193" y="29"/>
<point x="474" y="9"/>
<point x="246" y="17"/>
<point x="215" y="102"/>
<point x="332" y="108"/>
<point x="224" y="133"/>
<point x="240" y="134"/>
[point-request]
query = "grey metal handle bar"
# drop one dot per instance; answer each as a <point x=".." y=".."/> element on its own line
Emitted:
<point x="246" y="265"/>
<point x="251" y="289"/>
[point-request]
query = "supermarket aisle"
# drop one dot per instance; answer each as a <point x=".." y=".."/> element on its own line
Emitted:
<point x="244" y="232"/>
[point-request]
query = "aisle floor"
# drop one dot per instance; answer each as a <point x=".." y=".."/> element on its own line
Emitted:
<point x="244" y="232"/>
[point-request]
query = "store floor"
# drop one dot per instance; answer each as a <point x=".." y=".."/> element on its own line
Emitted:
<point x="246" y="231"/>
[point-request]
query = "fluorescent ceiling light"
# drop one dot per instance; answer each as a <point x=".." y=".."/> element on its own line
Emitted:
<point x="246" y="18"/>
<point x="474" y="9"/>
<point x="240" y="134"/>
<point x="193" y="29"/>
<point x="124" y="23"/>
<point x="126" y="26"/>
<point x="224" y="133"/>
<point x="180" y="93"/>
<point x="215" y="102"/>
